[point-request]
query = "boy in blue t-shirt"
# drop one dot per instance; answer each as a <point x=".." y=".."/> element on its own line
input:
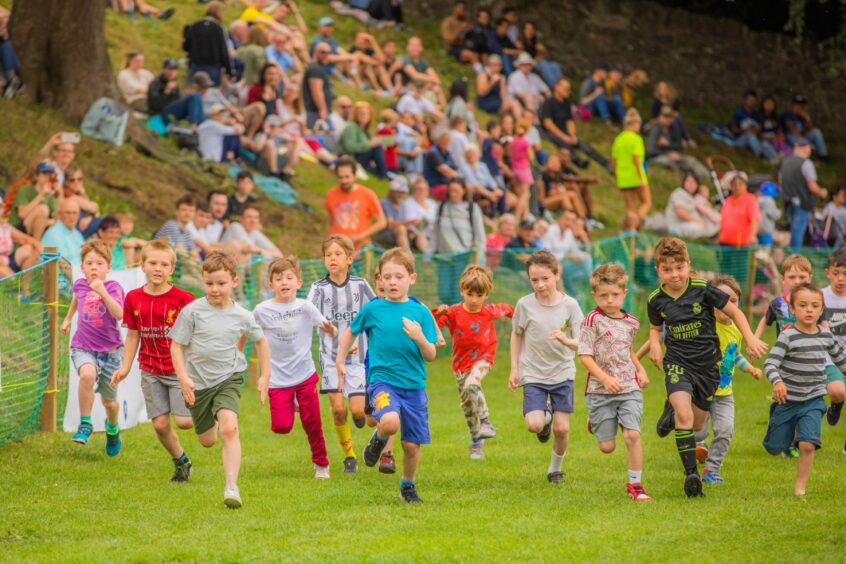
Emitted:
<point x="402" y="338"/>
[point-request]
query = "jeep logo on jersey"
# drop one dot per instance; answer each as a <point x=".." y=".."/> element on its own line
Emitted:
<point x="697" y="308"/>
<point x="342" y="315"/>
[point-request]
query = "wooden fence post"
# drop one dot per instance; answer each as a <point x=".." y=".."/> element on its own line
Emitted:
<point x="49" y="402"/>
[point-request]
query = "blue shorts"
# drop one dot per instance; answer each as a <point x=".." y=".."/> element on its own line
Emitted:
<point x="794" y="422"/>
<point x="832" y="374"/>
<point x="560" y="396"/>
<point x="411" y="405"/>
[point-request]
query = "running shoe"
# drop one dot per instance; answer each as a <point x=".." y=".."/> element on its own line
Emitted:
<point x="693" y="485"/>
<point x="232" y="497"/>
<point x="701" y="452"/>
<point x="408" y="493"/>
<point x="321" y="472"/>
<point x="667" y="421"/>
<point x="710" y="477"/>
<point x="555" y="477"/>
<point x="387" y="464"/>
<point x="181" y="471"/>
<point x="637" y="492"/>
<point x="476" y="450"/>
<point x="113" y="444"/>
<point x="351" y="465"/>
<point x="83" y="433"/>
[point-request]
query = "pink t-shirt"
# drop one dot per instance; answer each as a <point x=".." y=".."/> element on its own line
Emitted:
<point x="96" y="329"/>
<point x="519" y="148"/>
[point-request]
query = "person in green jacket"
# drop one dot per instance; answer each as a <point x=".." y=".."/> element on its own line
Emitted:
<point x="357" y="141"/>
<point x="627" y="155"/>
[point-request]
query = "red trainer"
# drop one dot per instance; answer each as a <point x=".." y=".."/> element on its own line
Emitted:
<point x="387" y="464"/>
<point x="637" y="492"/>
<point x="701" y="452"/>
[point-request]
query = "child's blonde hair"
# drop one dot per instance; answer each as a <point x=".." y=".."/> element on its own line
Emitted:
<point x="160" y="246"/>
<point x="671" y="249"/>
<point x="388" y="116"/>
<point x="796" y="261"/>
<point x="397" y="255"/>
<point x="124" y="216"/>
<point x="282" y="264"/>
<point x="610" y="274"/>
<point x="342" y="241"/>
<point x="99" y="247"/>
<point x="476" y="279"/>
<point x="217" y="261"/>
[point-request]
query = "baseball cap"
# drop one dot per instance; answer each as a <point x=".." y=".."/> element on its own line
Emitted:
<point x="202" y="79"/>
<point x="326" y="20"/>
<point x="46" y="167"/>
<point x="399" y="184"/>
<point x="802" y="142"/>
<point x="216" y="109"/>
<point x="170" y="64"/>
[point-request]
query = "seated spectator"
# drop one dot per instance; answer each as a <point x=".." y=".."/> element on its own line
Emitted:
<point x="392" y="66"/>
<point x="338" y="59"/>
<point x="10" y="82"/>
<point x="506" y="230"/>
<point x="512" y="30"/>
<point x="740" y="214"/>
<point x="617" y="92"/>
<point x="482" y="185"/>
<point x="458" y="140"/>
<point x="454" y="27"/>
<point x="592" y="95"/>
<point x="30" y="204"/>
<point x="244" y="186"/>
<point x="387" y="13"/>
<point x="492" y="91"/>
<point x="423" y="208"/>
<point x="164" y="90"/>
<point x="834" y="209"/>
<point x="253" y="54"/>
<point x="529" y="39"/>
<point x="504" y="46"/>
<point x="665" y="94"/>
<point x="109" y="233"/>
<point x="525" y="238"/>
<point x="438" y="166"/>
<point x="493" y="153"/>
<point x="414" y="101"/>
<point x="368" y="56"/>
<point x="216" y="137"/>
<point x="771" y="130"/>
<point x="89" y="220"/>
<point x="683" y="216"/>
<point x="387" y="132"/>
<point x="746" y="128"/>
<point x="525" y="86"/>
<point x="130" y="244"/>
<point x="218" y="206"/>
<point x="416" y="68"/>
<point x="248" y="230"/>
<point x="291" y="131"/>
<point x="481" y="38"/>
<point x="565" y="239"/>
<point x="18" y="251"/>
<point x="397" y="232"/>
<point x="279" y="53"/>
<point x="65" y="237"/>
<point x="265" y="91"/>
<point x="411" y="144"/>
<point x="459" y="105"/>
<point x="176" y="230"/>
<point x="548" y="69"/>
<point x="317" y="88"/>
<point x="134" y="80"/>
<point x="191" y="106"/>
<point x="61" y="152"/>
<point x="205" y="43"/>
<point x="555" y="189"/>
<point x="343" y="109"/>
<point x="130" y="7"/>
<point x="797" y="124"/>
<point x="664" y="146"/>
<point x="582" y="184"/>
<point x="357" y="141"/>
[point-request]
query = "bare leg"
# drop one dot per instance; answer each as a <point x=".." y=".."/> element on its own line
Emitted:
<point x="87" y="377"/>
<point x="228" y="423"/>
<point x="803" y="466"/>
<point x="634" y="450"/>
<point x="410" y="460"/>
<point x="167" y="436"/>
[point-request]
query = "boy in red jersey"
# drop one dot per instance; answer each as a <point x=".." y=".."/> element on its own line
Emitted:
<point x="471" y="324"/>
<point x="149" y="313"/>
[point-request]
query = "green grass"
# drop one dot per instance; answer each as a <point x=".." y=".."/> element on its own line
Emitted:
<point x="70" y="503"/>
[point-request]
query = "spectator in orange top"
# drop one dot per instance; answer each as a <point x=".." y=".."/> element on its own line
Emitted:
<point x="353" y="210"/>
<point x="740" y="214"/>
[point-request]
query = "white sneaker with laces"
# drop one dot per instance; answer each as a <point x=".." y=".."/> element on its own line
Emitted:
<point x="321" y="472"/>
<point x="232" y="497"/>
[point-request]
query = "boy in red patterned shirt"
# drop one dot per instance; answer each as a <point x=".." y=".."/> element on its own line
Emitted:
<point x="471" y="324"/>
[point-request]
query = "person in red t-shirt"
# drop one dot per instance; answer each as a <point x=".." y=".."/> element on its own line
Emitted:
<point x="149" y="313"/>
<point x="388" y="133"/>
<point x="471" y="324"/>
<point x="740" y="215"/>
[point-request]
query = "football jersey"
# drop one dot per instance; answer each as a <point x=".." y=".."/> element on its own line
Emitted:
<point x="609" y="341"/>
<point x="691" y="327"/>
<point x="473" y="334"/>
<point x="340" y="304"/>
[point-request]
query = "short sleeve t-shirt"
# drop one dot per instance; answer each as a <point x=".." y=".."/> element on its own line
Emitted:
<point x="680" y="198"/>
<point x="609" y="341"/>
<point x="289" y="328"/>
<point x="210" y="336"/>
<point x="835" y="314"/>
<point x="340" y="304"/>
<point x="314" y="70"/>
<point x="543" y="360"/>
<point x="7" y="245"/>
<point x="421" y="66"/>
<point x="736" y="218"/>
<point x="352" y="213"/>
<point x="728" y="333"/>
<point x="626" y="146"/>
<point x="24" y="196"/>
<point x="394" y="358"/>
<point x="473" y="334"/>
<point x="96" y="329"/>
<point x="559" y="111"/>
<point x="153" y="316"/>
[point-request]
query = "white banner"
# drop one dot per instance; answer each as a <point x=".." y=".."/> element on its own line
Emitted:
<point x="132" y="408"/>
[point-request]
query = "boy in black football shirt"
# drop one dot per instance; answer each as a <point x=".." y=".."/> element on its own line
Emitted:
<point x="685" y="306"/>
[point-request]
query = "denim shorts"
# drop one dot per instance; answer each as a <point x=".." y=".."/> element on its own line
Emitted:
<point x="105" y="363"/>
<point x="794" y="422"/>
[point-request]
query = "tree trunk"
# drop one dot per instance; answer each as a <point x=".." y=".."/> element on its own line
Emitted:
<point x="62" y="48"/>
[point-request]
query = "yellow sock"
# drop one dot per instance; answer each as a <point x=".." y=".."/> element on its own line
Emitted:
<point x="345" y="439"/>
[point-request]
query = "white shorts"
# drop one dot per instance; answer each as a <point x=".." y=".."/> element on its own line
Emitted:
<point x="354" y="380"/>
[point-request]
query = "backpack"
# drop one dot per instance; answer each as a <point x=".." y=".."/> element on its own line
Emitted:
<point x="824" y="231"/>
<point x="106" y="120"/>
<point x="470" y="205"/>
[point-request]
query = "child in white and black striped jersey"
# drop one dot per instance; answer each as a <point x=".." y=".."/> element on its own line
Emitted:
<point x="796" y="368"/>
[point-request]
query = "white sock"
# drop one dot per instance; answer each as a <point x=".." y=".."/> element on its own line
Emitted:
<point x="634" y="476"/>
<point x="547" y="417"/>
<point x="555" y="461"/>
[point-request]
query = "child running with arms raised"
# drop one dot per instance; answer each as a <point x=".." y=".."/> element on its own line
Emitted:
<point x="471" y="324"/>
<point x="686" y="307"/>
<point x="615" y="376"/>
<point x="796" y="368"/>
<point x="544" y="339"/>
<point x="149" y="313"/>
<point x="96" y="346"/>
<point x="402" y="339"/>
<point x="209" y="364"/>
<point x="288" y="322"/>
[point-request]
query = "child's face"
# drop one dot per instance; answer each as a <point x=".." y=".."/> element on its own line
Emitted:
<point x="609" y="298"/>
<point x="201" y="219"/>
<point x="185" y="213"/>
<point x="673" y="274"/>
<point x="126" y="227"/>
<point x="158" y="267"/>
<point x="793" y="277"/>
<point x="733" y="299"/>
<point x="837" y="277"/>
<point x="397" y="280"/>
<point x="336" y="259"/>
<point x="473" y="301"/>
<point x="245" y="186"/>
<point x="218" y="286"/>
<point x="285" y="285"/>
<point x="94" y="267"/>
<point x="544" y="280"/>
<point x="807" y="306"/>
<point x="378" y="285"/>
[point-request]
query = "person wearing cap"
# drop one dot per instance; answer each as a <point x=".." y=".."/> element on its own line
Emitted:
<point x="318" y="93"/>
<point x="347" y="63"/>
<point x="592" y="95"/>
<point x="400" y="222"/>
<point x="212" y="134"/>
<point x="164" y="89"/>
<point x="134" y="81"/>
<point x="416" y="68"/>
<point x="664" y="146"/>
<point x="525" y="86"/>
<point x="205" y="43"/>
<point x="797" y="124"/>
<point x="30" y="204"/>
<point x="798" y="180"/>
<point x="357" y="141"/>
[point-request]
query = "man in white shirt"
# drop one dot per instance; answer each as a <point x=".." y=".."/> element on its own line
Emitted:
<point x="525" y="86"/>
<point x="248" y="230"/>
<point x="416" y="103"/>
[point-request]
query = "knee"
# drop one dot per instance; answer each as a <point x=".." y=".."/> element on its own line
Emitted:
<point x="806" y="447"/>
<point x="836" y="392"/>
<point x="357" y="411"/>
<point x="110" y="404"/>
<point x="561" y="428"/>
<point x="207" y="440"/>
<point x="87" y="378"/>
<point x="631" y="437"/>
<point x="339" y="414"/>
<point x="389" y="423"/>
<point x="161" y="425"/>
<point x="184" y="422"/>
<point x="282" y="428"/>
<point x="229" y="430"/>
<point x="534" y="426"/>
<point x="607" y="446"/>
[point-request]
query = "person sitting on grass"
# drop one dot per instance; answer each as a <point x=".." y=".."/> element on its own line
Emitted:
<point x="134" y="81"/>
<point x="416" y="68"/>
<point x="357" y="141"/>
<point x="29" y="204"/>
<point x="18" y="251"/>
<point x="176" y="230"/>
<point x="248" y="231"/>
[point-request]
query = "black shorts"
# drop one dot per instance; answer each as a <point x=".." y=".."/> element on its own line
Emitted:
<point x="701" y="384"/>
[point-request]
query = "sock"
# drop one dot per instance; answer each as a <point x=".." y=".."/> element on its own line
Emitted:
<point x="555" y="462"/>
<point x="686" y="444"/>
<point x="634" y="476"/>
<point x="112" y="429"/>
<point x="345" y="439"/>
<point x="404" y="483"/>
<point x="182" y="459"/>
<point x="476" y="441"/>
<point x="548" y="417"/>
<point x="85" y="419"/>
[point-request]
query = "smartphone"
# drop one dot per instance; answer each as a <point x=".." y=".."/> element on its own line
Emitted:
<point x="70" y="138"/>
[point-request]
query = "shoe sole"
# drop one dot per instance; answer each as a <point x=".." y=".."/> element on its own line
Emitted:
<point x="544" y="435"/>
<point x="388" y="469"/>
<point x="410" y="501"/>
<point x="663" y="428"/>
<point x="489" y="435"/>
<point x="80" y="441"/>
<point x="693" y="486"/>
<point x="232" y="503"/>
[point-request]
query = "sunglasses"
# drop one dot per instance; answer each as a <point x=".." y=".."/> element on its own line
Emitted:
<point x="75" y="179"/>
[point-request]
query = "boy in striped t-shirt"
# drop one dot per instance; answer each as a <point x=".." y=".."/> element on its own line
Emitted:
<point x="796" y="368"/>
<point x="339" y="297"/>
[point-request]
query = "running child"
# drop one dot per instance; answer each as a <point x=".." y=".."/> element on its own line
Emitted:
<point x="544" y="339"/>
<point x="149" y="313"/>
<point x="402" y="339"/>
<point x="209" y="364"/>
<point x="796" y="368"/>
<point x="615" y="376"/>
<point x="288" y="322"/>
<point x="686" y="307"/>
<point x="835" y="315"/>
<point x="471" y="324"/>
<point x="722" y="408"/>
<point x="339" y="297"/>
<point x="795" y="270"/>
<point x="96" y="346"/>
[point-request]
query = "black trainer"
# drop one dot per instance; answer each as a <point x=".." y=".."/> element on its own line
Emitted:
<point x="555" y="477"/>
<point x="667" y="421"/>
<point x="832" y="414"/>
<point x="350" y="465"/>
<point x="544" y="434"/>
<point x="693" y="486"/>
<point x="181" y="471"/>
<point x="373" y="450"/>
<point x="359" y="423"/>
<point x="408" y="493"/>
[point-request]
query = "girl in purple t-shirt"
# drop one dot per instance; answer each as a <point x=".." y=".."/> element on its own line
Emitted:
<point x="96" y="346"/>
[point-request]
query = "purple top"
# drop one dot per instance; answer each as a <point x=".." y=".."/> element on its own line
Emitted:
<point x="96" y="329"/>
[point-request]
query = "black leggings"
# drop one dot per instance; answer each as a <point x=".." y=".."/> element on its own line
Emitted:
<point x="390" y="10"/>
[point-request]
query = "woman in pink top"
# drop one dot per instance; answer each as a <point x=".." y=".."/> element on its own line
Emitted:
<point x="521" y="166"/>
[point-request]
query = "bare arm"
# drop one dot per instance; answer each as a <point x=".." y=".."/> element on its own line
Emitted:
<point x="754" y="345"/>
<point x="177" y="355"/>
<point x="130" y="348"/>
<point x="609" y="383"/>
<point x="71" y="311"/>
<point x="655" y="353"/>
<point x="815" y="189"/>
<point x="316" y="87"/>
<point x="516" y="350"/>
<point x="375" y="228"/>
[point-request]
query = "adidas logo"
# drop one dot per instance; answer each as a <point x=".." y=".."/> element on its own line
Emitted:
<point x="608" y="334"/>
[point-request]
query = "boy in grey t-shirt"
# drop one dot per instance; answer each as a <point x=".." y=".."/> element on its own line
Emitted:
<point x="208" y="363"/>
<point x="544" y="339"/>
<point x="834" y="296"/>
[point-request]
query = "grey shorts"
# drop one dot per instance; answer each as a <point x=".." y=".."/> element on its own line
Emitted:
<point x="105" y="363"/>
<point x="607" y="411"/>
<point x="163" y="395"/>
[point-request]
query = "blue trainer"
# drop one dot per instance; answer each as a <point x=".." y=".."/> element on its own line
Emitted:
<point x="113" y="444"/>
<point x="712" y="477"/>
<point x="83" y="433"/>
